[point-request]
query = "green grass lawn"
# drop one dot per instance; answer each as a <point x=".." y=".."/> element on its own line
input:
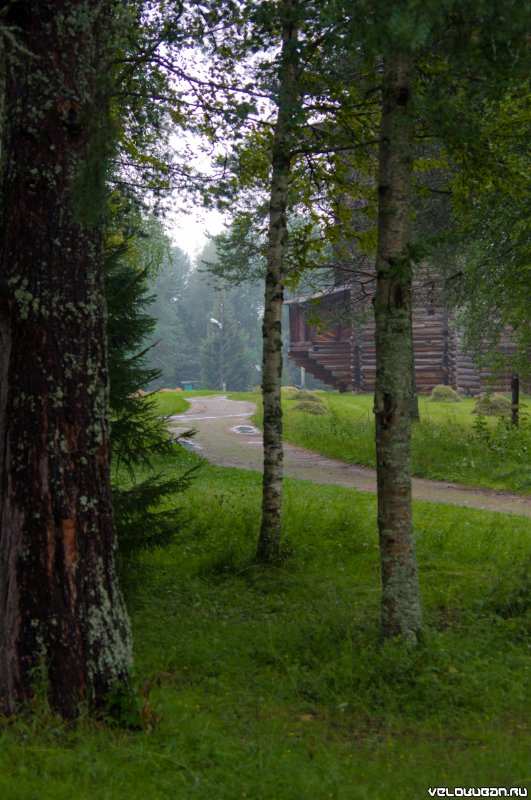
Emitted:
<point x="167" y="403"/>
<point x="449" y="443"/>
<point x="272" y="684"/>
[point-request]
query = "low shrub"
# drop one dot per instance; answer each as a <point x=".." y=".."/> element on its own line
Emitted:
<point x="444" y="394"/>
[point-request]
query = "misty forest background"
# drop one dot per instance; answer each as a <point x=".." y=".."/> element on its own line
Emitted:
<point x="184" y="345"/>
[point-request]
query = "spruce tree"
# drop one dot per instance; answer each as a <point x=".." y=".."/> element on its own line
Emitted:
<point x="138" y="433"/>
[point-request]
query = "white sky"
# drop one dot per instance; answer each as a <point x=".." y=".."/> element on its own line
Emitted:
<point x="189" y="231"/>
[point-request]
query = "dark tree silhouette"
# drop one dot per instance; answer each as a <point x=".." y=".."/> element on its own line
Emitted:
<point x="63" y="624"/>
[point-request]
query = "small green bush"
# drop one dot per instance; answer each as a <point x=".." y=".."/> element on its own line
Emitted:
<point x="313" y="406"/>
<point x="444" y="394"/>
<point x="147" y="515"/>
<point x="492" y="404"/>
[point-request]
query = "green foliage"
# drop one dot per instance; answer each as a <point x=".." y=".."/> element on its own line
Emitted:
<point x="143" y="519"/>
<point x="138" y="432"/>
<point x="490" y="199"/>
<point x="240" y="250"/>
<point x="173" y="353"/>
<point x="185" y="344"/>
<point x="144" y="99"/>
<point x="444" y="394"/>
<point x="492" y="404"/>
<point x="509" y="440"/>
<point x="272" y="683"/>
<point x="122" y="708"/>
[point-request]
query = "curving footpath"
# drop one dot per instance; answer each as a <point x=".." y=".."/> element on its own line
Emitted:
<point x="217" y="419"/>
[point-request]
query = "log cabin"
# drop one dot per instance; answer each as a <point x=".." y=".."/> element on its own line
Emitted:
<point x="332" y="337"/>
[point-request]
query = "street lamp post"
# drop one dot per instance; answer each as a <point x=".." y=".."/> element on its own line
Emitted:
<point x="221" y="347"/>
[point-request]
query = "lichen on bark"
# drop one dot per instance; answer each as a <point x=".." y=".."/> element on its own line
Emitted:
<point x="61" y="611"/>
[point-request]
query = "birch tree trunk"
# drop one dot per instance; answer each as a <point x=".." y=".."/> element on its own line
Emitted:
<point x="270" y="532"/>
<point x="63" y="625"/>
<point x="401" y="613"/>
<point x="414" y="412"/>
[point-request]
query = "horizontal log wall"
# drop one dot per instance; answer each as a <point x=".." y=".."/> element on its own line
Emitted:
<point x="345" y="356"/>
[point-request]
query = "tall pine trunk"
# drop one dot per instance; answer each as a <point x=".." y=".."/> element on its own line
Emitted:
<point x="401" y="614"/>
<point x="270" y="532"/>
<point x="63" y="625"/>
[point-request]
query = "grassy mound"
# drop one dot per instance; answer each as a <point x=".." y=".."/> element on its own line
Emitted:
<point x="287" y="390"/>
<point x="313" y="406"/>
<point x="444" y="394"/>
<point x="306" y="396"/>
<point x="492" y="404"/>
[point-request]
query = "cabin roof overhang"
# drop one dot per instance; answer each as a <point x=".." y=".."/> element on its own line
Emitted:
<point x="332" y="292"/>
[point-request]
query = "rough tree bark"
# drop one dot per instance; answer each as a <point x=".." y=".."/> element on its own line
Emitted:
<point x="401" y="614"/>
<point x="63" y="625"/>
<point x="2" y="96"/>
<point x="270" y="532"/>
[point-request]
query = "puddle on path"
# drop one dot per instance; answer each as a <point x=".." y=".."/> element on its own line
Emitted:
<point x="189" y="445"/>
<point x="247" y="429"/>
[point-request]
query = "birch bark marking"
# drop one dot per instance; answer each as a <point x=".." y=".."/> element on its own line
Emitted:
<point x="270" y="531"/>
<point x="401" y="614"/>
<point x="63" y="623"/>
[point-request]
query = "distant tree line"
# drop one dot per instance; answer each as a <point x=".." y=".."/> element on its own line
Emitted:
<point x="184" y="345"/>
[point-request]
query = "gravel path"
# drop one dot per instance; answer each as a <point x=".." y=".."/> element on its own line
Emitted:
<point x="217" y="419"/>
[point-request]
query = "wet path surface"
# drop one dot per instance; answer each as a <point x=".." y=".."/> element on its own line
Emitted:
<point x="218" y="439"/>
